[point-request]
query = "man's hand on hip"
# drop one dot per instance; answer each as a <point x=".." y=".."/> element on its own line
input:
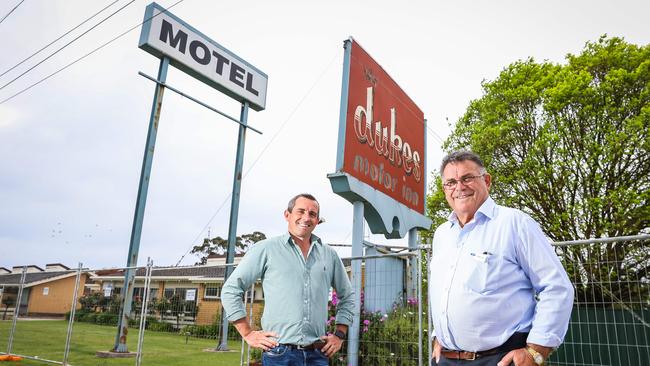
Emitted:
<point x="437" y="348"/>
<point x="332" y="345"/>
<point x="519" y="356"/>
<point x="261" y="339"/>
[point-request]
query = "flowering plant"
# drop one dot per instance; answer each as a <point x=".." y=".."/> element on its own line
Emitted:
<point x="388" y="338"/>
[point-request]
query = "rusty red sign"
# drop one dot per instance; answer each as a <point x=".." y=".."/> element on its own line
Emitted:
<point x="384" y="133"/>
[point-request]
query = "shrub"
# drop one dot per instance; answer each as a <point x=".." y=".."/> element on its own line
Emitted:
<point x="385" y="339"/>
<point x="157" y="326"/>
<point x="106" y="319"/>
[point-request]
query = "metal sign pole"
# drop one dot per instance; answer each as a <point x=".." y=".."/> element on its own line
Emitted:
<point x="145" y="175"/>
<point x="234" y="213"/>
<point x="411" y="290"/>
<point x="357" y="251"/>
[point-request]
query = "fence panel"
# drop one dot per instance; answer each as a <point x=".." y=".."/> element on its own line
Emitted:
<point x="610" y="323"/>
<point x="390" y="318"/>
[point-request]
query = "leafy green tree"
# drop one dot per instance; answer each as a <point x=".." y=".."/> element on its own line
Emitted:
<point x="219" y="245"/>
<point x="569" y="145"/>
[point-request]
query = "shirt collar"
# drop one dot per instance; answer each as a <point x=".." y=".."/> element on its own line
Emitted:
<point x="314" y="239"/>
<point x="487" y="210"/>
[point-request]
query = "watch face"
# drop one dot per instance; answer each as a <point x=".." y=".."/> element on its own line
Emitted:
<point x="340" y="334"/>
<point x="539" y="359"/>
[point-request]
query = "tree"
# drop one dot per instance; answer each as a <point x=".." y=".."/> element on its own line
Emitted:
<point x="569" y="145"/>
<point x="219" y="245"/>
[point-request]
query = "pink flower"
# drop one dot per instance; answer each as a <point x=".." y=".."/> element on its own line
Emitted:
<point x="366" y="322"/>
<point x="335" y="299"/>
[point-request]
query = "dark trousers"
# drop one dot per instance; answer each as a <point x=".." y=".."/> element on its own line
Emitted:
<point x="517" y="340"/>
<point x="483" y="361"/>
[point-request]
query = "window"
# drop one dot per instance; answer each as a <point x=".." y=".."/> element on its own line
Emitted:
<point x="212" y="291"/>
<point x="169" y="292"/>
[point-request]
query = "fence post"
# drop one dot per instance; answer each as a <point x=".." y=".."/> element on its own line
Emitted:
<point x="250" y="323"/>
<point x="143" y="311"/>
<point x="419" y="292"/>
<point x="16" y="309"/>
<point x="73" y="309"/>
<point x="427" y="258"/>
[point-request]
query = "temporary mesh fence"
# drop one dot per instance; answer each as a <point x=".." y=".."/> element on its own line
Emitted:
<point x="610" y="322"/>
<point x="181" y="311"/>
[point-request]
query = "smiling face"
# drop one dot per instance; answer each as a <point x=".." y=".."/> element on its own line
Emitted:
<point x="303" y="218"/>
<point x="466" y="198"/>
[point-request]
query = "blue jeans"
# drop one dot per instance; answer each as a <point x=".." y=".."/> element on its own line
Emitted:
<point x="286" y="356"/>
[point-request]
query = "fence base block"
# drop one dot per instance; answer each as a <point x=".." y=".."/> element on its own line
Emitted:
<point x="110" y="354"/>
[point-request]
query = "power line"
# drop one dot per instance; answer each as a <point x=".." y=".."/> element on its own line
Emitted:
<point x="67" y="44"/>
<point x="11" y="11"/>
<point x="88" y="54"/>
<point x="295" y="109"/>
<point x="63" y="35"/>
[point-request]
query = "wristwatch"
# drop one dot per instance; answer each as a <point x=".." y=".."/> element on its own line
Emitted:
<point x="537" y="357"/>
<point x="340" y="335"/>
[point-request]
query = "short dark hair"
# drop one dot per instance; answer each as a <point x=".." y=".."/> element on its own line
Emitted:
<point x="292" y="202"/>
<point x="461" y="155"/>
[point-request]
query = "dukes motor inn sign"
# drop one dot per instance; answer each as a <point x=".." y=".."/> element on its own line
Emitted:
<point x="381" y="144"/>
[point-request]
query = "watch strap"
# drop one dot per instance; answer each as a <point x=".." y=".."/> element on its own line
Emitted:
<point x="340" y="334"/>
<point x="537" y="357"/>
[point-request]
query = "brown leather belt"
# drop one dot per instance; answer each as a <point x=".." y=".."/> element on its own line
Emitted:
<point x="466" y="355"/>
<point x="517" y="340"/>
<point x="309" y="347"/>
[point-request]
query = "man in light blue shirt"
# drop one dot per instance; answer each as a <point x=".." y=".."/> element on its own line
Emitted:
<point x="498" y="293"/>
<point x="297" y="272"/>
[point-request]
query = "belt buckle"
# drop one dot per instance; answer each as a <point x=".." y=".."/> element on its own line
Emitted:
<point x="300" y="347"/>
<point x="473" y="356"/>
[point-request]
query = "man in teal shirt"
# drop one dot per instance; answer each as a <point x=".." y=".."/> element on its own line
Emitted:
<point x="297" y="271"/>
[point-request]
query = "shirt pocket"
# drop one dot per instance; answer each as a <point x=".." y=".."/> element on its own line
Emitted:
<point x="484" y="276"/>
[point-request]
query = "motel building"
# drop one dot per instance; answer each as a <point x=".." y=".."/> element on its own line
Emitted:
<point x="46" y="292"/>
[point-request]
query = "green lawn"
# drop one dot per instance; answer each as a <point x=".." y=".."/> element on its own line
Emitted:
<point x="46" y="339"/>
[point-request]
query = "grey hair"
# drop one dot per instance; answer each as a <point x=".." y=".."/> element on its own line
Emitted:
<point x="462" y="155"/>
<point x="292" y="202"/>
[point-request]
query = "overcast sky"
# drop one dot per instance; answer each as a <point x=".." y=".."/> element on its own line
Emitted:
<point x="71" y="147"/>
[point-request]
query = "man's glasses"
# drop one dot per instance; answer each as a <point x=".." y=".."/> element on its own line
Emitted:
<point x="466" y="180"/>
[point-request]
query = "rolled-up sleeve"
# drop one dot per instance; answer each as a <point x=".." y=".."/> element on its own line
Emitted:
<point x="344" y="292"/>
<point x="247" y="272"/>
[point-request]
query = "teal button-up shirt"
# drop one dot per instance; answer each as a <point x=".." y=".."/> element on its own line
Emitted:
<point x="296" y="291"/>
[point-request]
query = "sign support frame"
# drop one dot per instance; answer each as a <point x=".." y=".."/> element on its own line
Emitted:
<point x="138" y="217"/>
<point x="234" y="213"/>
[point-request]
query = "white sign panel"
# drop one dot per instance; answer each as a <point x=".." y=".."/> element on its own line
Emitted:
<point x="46" y="291"/>
<point x="190" y="295"/>
<point x="164" y="34"/>
<point x="108" y="289"/>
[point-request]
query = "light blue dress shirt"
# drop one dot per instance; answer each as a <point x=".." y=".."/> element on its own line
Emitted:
<point x="296" y="291"/>
<point x="495" y="276"/>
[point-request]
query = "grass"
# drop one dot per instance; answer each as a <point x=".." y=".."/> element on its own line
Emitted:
<point x="46" y="339"/>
